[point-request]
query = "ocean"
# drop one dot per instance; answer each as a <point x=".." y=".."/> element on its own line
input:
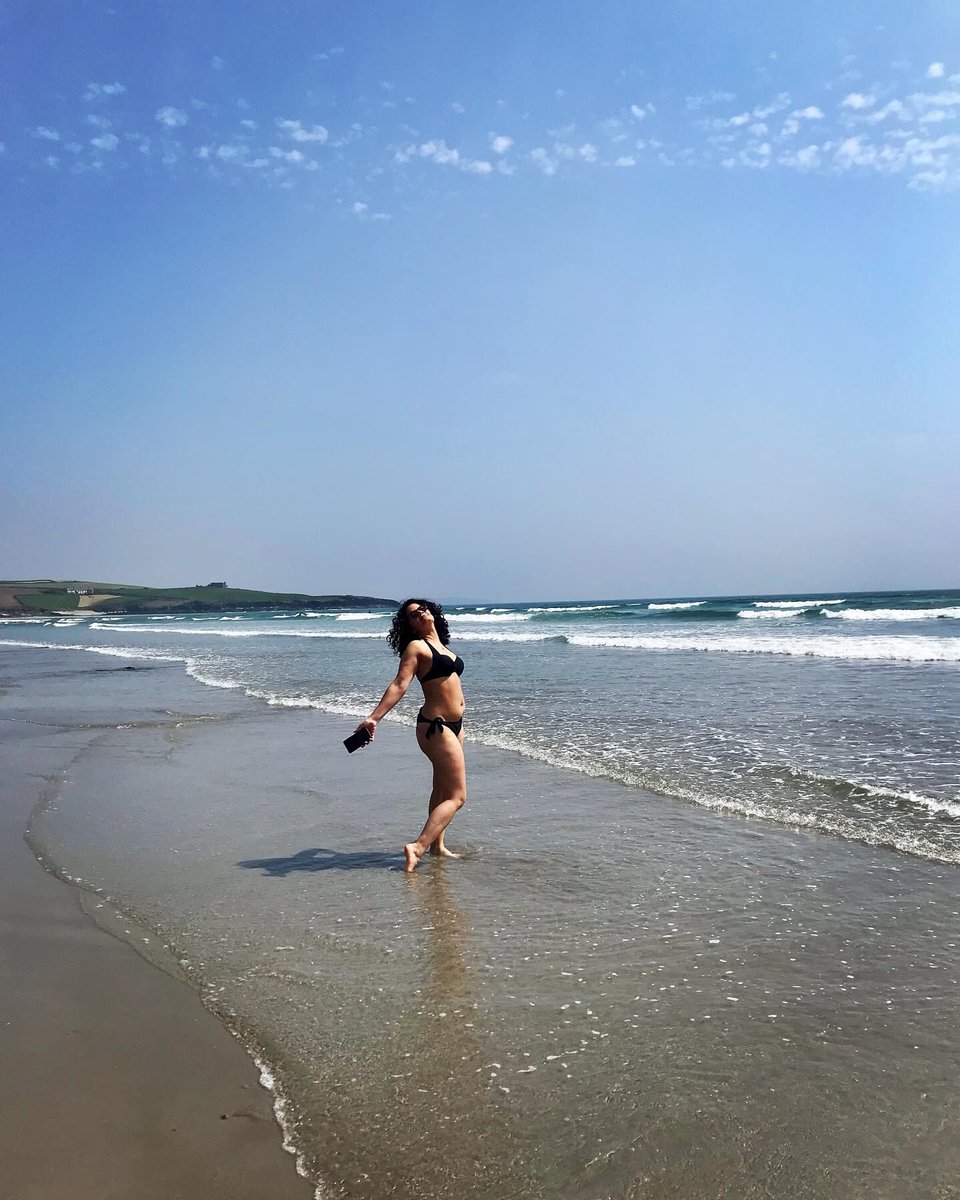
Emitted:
<point x="838" y="713"/>
<point x="702" y="943"/>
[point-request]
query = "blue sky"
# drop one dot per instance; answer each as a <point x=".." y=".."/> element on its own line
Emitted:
<point x="501" y="301"/>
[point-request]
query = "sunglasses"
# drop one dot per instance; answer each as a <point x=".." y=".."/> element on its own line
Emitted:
<point x="418" y="611"/>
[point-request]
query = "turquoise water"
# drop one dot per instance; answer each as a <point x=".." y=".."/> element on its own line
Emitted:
<point x="838" y="713"/>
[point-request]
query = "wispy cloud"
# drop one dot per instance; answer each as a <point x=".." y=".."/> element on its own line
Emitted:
<point x="171" y="118"/>
<point x="437" y="151"/>
<point x="900" y="126"/>
<point x="299" y="133"/>
<point x="695" y="103"/>
<point x="857" y="100"/>
<point x="95" y="91"/>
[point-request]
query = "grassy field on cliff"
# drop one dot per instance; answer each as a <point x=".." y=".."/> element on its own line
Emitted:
<point x="33" y="596"/>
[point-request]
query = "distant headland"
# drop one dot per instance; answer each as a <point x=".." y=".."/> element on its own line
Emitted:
<point x="33" y="597"/>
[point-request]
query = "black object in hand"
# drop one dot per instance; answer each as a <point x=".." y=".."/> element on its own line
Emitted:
<point x="356" y="740"/>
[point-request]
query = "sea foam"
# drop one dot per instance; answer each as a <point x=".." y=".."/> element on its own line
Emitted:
<point x="894" y="614"/>
<point x="793" y="603"/>
<point x="677" y="604"/>
<point x="868" y="649"/>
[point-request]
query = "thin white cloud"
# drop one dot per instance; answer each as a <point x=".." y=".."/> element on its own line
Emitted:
<point x="695" y="103"/>
<point x="892" y="108"/>
<point x="106" y="141"/>
<point x="217" y="63"/>
<point x="776" y="105"/>
<point x="807" y="159"/>
<point x="543" y="162"/>
<point x="854" y="152"/>
<point x="857" y="100"/>
<point x="170" y="117"/>
<point x="588" y="152"/>
<point x="935" y="99"/>
<point x="935" y="70"/>
<point x="810" y="113"/>
<point x="500" y="143"/>
<point x="290" y="156"/>
<point x="48" y="135"/>
<point x="94" y="91"/>
<point x="457" y="107"/>
<point x="437" y="151"/>
<point x="625" y="160"/>
<point x="297" y="131"/>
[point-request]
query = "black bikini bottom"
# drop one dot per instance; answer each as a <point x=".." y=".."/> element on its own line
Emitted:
<point x="437" y="724"/>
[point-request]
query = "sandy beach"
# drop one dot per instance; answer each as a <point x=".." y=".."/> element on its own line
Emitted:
<point x="116" y="1081"/>
<point x="612" y="995"/>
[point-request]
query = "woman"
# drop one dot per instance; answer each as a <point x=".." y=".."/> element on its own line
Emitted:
<point x="420" y="635"/>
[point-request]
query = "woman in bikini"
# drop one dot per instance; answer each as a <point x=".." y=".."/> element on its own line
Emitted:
<point x="420" y="635"/>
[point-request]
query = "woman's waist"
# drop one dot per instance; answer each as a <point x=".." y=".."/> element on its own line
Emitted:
<point x="431" y="712"/>
<point x="443" y="693"/>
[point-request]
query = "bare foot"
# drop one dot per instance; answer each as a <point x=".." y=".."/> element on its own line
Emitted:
<point x="440" y="851"/>
<point x="410" y="850"/>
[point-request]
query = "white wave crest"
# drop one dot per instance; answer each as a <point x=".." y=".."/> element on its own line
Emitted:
<point x="887" y="793"/>
<point x="793" y="603"/>
<point x="356" y="616"/>
<point x="490" y="617"/>
<point x="895" y="614"/>
<point x="678" y="604"/>
<point x="866" y="649"/>
<point x="771" y="612"/>
<point x="476" y="635"/>
<point x="188" y="631"/>
<point x="573" y="608"/>
<point x="110" y="651"/>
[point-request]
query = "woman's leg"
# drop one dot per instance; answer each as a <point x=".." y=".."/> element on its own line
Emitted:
<point x="438" y="849"/>
<point x="445" y="751"/>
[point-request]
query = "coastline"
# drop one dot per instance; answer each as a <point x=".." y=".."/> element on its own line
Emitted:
<point x="727" y="1007"/>
<point x="117" y="1081"/>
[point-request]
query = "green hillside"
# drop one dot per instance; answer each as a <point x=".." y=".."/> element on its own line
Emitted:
<point x="26" y="597"/>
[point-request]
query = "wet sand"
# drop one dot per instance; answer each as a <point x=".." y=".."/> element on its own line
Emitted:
<point x="613" y="995"/>
<point x="115" y="1080"/>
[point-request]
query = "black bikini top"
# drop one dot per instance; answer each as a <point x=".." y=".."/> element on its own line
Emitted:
<point x="442" y="667"/>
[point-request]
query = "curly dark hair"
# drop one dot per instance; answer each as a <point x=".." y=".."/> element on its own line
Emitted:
<point x="401" y="634"/>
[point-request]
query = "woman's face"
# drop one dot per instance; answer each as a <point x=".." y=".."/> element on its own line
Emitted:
<point x="420" y="618"/>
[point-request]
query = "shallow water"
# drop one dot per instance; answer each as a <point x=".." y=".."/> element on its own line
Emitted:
<point x="840" y="713"/>
<point x="614" y="994"/>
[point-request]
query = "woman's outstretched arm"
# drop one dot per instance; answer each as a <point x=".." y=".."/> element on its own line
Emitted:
<point x="395" y="691"/>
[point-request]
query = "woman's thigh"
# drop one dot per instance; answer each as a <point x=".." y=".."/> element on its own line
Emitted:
<point x="445" y="751"/>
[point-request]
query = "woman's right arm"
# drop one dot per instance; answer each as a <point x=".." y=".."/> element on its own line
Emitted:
<point x="395" y="692"/>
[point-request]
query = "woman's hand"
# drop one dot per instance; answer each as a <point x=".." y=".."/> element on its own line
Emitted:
<point x="369" y="724"/>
